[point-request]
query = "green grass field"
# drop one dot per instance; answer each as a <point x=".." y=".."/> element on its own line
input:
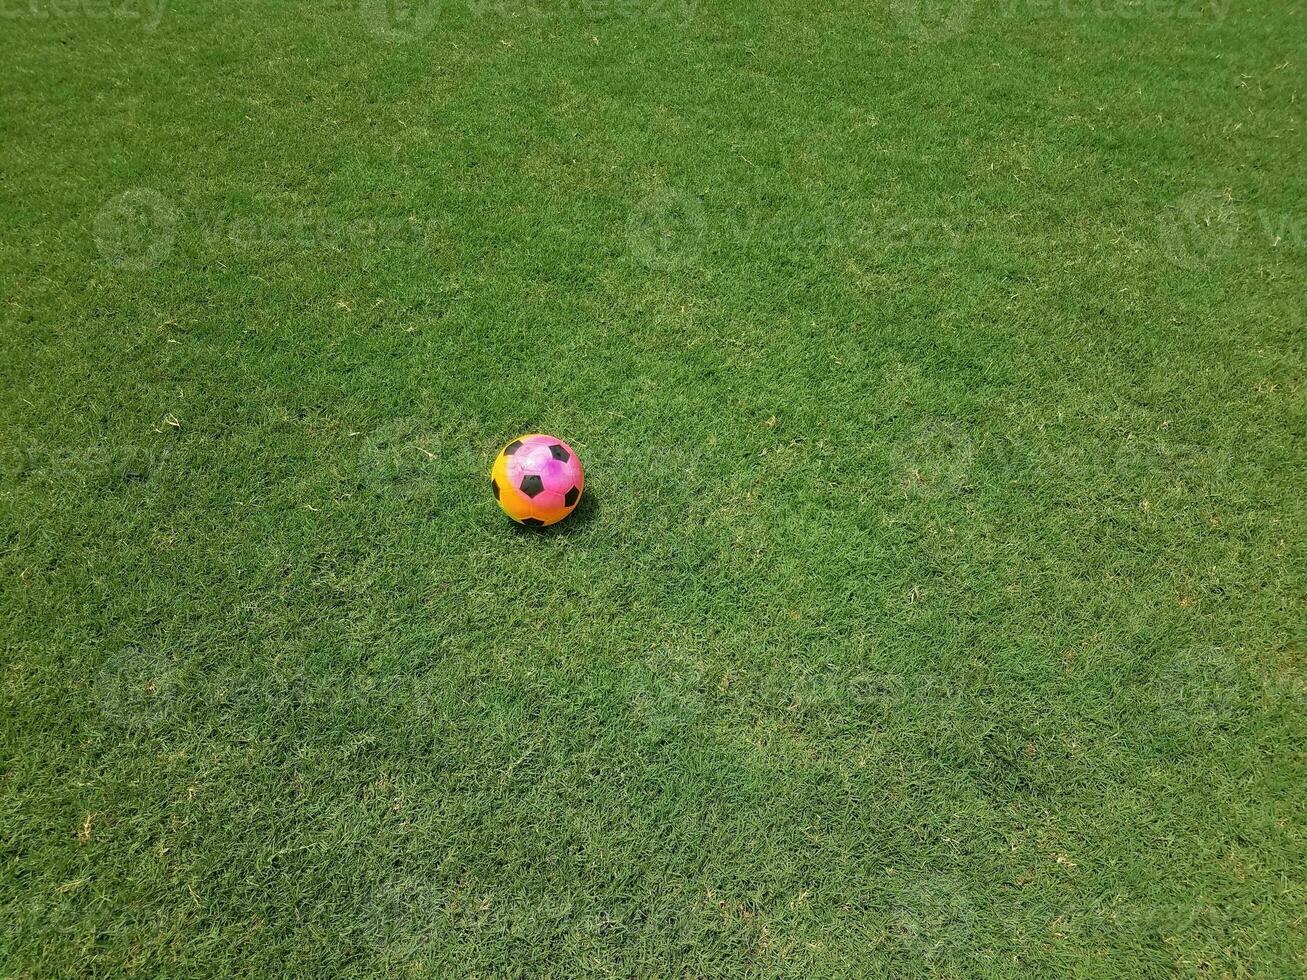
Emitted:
<point x="936" y="604"/>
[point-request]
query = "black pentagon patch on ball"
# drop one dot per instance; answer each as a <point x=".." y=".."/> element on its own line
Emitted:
<point x="494" y="487"/>
<point x="532" y="485"/>
<point x="559" y="453"/>
<point x="533" y="522"/>
<point x="512" y="447"/>
<point x="571" y="496"/>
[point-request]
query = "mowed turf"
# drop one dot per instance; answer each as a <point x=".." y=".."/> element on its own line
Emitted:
<point x="936" y="603"/>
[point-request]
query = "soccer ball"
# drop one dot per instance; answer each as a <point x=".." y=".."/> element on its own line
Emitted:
<point x="537" y="480"/>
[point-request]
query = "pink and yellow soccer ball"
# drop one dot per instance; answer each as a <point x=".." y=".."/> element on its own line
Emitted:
<point x="537" y="480"/>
